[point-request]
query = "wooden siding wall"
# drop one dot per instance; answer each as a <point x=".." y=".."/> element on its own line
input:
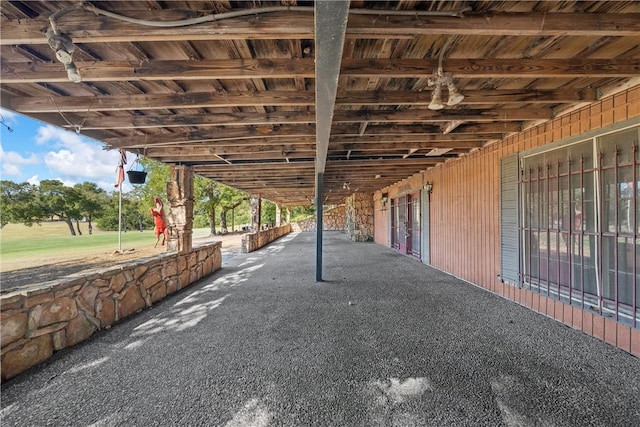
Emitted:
<point x="465" y="213"/>
<point x="465" y="202"/>
<point x="380" y="220"/>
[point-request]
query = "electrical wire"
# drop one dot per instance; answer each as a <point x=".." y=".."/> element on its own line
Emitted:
<point x="442" y="52"/>
<point x="263" y="10"/>
<point x="3" y="123"/>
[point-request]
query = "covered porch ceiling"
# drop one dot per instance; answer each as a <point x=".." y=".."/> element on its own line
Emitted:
<point x="230" y="87"/>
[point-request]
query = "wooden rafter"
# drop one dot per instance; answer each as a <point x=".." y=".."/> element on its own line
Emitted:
<point x="236" y="98"/>
<point x="31" y="72"/>
<point x="284" y="25"/>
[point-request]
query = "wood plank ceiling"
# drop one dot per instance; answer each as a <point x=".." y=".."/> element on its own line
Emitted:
<point x="230" y="89"/>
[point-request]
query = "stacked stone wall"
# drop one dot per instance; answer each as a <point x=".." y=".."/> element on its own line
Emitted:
<point x="332" y="220"/>
<point x="256" y="240"/>
<point x="51" y="316"/>
<point x="359" y="217"/>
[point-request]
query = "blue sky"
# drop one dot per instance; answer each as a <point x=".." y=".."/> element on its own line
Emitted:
<point x="35" y="151"/>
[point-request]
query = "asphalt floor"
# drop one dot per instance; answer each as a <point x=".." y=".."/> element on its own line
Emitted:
<point x="383" y="341"/>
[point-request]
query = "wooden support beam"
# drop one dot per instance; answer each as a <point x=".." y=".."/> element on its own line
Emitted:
<point x="223" y="159"/>
<point x="291" y="144"/>
<point x="449" y="127"/>
<point x="411" y="151"/>
<point x="232" y="99"/>
<point x="363" y="127"/>
<point x="160" y="70"/>
<point x="85" y="27"/>
<point x="274" y="68"/>
<point x="493" y="68"/>
<point x="161" y="101"/>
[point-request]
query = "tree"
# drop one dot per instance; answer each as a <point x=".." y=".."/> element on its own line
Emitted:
<point x="19" y="203"/>
<point x="91" y="202"/>
<point x="207" y="197"/>
<point x="132" y="217"/>
<point x="268" y="212"/>
<point x="58" y="200"/>
<point x="156" y="184"/>
<point x="230" y="198"/>
<point x="302" y="212"/>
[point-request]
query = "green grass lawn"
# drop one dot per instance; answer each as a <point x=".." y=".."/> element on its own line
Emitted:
<point x="52" y="239"/>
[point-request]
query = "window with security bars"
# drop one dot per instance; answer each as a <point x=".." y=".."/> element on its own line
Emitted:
<point x="580" y="224"/>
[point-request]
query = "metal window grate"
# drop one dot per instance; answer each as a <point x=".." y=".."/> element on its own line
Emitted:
<point x="580" y="225"/>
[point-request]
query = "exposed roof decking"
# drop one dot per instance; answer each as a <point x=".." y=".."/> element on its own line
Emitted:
<point x="235" y="98"/>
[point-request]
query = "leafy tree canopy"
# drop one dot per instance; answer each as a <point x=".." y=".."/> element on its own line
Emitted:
<point x="19" y="203"/>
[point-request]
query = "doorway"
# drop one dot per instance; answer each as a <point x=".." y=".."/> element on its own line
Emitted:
<point x="406" y="225"/>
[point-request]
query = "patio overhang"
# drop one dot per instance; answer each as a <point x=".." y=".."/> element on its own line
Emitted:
<point x="237" y="92"/>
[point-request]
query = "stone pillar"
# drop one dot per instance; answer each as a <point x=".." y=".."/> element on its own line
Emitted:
<point x="180" y="196"/>
<point x="256" y="212"/>
<point x="278" y="215"/>
<point x="288" y="215"/>
<point x="359" y="217"/>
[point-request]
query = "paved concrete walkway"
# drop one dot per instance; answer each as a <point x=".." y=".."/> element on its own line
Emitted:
<point x="385" y="341"/>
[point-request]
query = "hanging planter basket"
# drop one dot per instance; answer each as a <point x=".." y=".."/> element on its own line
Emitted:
<point x="136" y="176"/>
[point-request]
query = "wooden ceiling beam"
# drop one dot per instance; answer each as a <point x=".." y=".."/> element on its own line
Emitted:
<point x="162" y="101"/>
<point x="264" y="122"/>
<point x="300" y="131"/>
<point x="299" y="25"/>
<point x="262" y="166"/>
<point x="493" y="68"/>
<point x="332" y="166"/>
<point x="414" y="115"/>
<point x="150" y="102"/>
<point x="471" y="97"/>
<point x="276" y="178"/>
<point x="496" y="24"/>
<point x="31" y="72"/>
<point x="201" y="141"/>
<point x="160" y="70"/>
<point x="341" y="129"/>
<point x="193" y="153"/>
<point x="200" y="120"/>
<point x="213" y="134"/>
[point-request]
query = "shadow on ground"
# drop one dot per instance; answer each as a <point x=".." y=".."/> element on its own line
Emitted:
<point x="43" y="273"/>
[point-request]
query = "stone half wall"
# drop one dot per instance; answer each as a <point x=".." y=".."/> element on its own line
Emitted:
<point x="359" y="217"/>
<point x="254" y="241"/>
<point x="332" y="220"/>
<point x="49" y="317"/>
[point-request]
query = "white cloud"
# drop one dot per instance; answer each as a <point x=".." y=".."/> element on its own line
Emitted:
<point x="77" y="159"/>
<point x="34" y="180"/>
<point x="66" y="182"/>
<point x="12" y="162"/>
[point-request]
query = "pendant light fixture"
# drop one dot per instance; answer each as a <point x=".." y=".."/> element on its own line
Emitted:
<point x="440" y="79"/>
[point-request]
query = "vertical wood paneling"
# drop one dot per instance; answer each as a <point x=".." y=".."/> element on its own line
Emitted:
<point x="465" y="203"/>
<point x="380" y="218"/>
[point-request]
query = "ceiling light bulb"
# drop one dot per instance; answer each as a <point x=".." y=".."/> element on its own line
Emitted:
<point x="455" y="97"/>
<point x="64" y="56"/>
<point x="436" y="99"/>
<point x="72" y="73"/>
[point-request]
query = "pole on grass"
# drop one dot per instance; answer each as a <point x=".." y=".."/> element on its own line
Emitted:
<point x="120" y="218"/>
